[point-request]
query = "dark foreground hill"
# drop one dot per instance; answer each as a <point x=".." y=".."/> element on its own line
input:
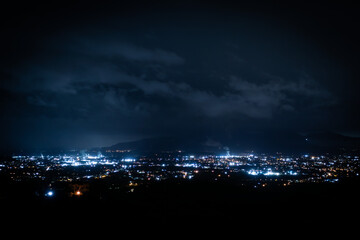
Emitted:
<point x="193" y="204"/>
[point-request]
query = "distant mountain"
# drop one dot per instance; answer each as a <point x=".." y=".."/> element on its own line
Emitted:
<point x="161" y="144"/>
<point x="331" y="142"/>
<point x="259" y="142"/>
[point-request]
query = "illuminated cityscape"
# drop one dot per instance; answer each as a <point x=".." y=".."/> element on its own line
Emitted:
<point x="179" y="113"/>
<point x="250" y="170"/>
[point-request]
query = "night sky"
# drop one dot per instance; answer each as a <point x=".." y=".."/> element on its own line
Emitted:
<point x="86" y="74"/>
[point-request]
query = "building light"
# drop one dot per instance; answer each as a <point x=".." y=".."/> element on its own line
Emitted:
<point x="252" y="172"/>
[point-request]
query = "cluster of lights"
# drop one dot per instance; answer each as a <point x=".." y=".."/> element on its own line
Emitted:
<point x="76" y="163"/>
<point x="308" y="167"/>
<point x="268" y="173"/>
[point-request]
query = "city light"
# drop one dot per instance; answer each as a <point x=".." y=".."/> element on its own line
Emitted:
<point x="50" y="193"/>
<point x="253" y="172"/>
<point x="268" y="168"/>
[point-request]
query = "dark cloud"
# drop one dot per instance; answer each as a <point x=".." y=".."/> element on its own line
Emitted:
<point x="126" y="77"/>
<point x="136" y="54"/>
<point x="114" y="87"/>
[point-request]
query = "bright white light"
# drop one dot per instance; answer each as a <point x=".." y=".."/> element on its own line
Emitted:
<point x="129" y="160"/>
<point x="253" y="172"/>
<point x="49" y="193"/>
<point x="271" y="173"/>
<point x="292" y="173"/>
